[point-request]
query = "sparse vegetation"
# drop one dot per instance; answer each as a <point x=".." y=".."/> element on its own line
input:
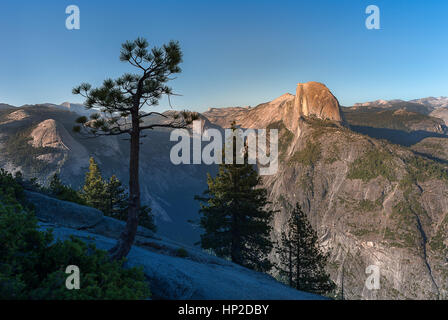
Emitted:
<point x="285" y="137"/>
<point x="361" y="232"/>
<point x="372" y="164"/>
<point x="389" y="234"/>
<point x="366" y="205"/>
<point x="421" y="169"/>
<point x="333" y="154"/>
<point x="309" y="155"/>
<point x="437" y="242"/>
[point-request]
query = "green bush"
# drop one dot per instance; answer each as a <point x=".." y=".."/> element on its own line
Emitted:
<point x="32" y="264"/>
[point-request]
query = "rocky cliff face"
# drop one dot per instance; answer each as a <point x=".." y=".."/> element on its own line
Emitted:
<point x="372" y="203"/>
<point x="314" y="99"/>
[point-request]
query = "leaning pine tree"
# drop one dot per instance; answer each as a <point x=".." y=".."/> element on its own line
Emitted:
<point x="301" y="261"/>
<point x="235" y="216"/>
<point x="122" y="102"/>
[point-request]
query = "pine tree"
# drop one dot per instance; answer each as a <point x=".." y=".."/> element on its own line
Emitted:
<point x="56" y="185"/>
<point x="235" y="217"/>
<point x="116" y="204"/>
<point x="301" y="261"/>
<point x="116" y="199"/>
<point x="146" y="218"/>
<point x="94" y="189"/>
<point x="123" y="101"/>
<point x="59" y="190"/>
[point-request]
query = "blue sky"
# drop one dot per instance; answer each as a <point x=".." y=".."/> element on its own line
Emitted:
<point x="236" y="53"/>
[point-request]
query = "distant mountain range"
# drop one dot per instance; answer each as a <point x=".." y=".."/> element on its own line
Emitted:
<point x="431" y="102"/>
<point x="372" y="178"/>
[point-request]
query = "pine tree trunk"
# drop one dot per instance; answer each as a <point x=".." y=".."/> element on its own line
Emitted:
<point x="127" y="237"/>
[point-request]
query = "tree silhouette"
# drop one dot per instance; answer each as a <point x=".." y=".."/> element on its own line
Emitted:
<point x="121" y="103"/>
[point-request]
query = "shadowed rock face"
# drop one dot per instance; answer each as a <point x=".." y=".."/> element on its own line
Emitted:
<point x="315" y="99"/>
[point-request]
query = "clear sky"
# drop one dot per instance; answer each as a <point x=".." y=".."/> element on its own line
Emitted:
<point x="236" y="53"/>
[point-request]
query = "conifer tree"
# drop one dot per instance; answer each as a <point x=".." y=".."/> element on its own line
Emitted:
<point x="122" y="104"/>
<point x="116" y="199"/>
<point x="94" y="189"/>
<point x="235" y="216"/>
<point x="146" y="218"/>
<point x="56" y="185"/>
<point x="302" y="262"/>
<point x="59" y="190"/>
<point x="116" y="204"/>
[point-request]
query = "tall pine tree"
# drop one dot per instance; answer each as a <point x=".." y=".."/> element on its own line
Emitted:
<point x="302" y="262"/>
<point x="125" y="102"/>
<point x="235" y="216"/>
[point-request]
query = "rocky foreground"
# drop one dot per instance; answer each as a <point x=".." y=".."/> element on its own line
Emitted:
<point x="174" y="271"/>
